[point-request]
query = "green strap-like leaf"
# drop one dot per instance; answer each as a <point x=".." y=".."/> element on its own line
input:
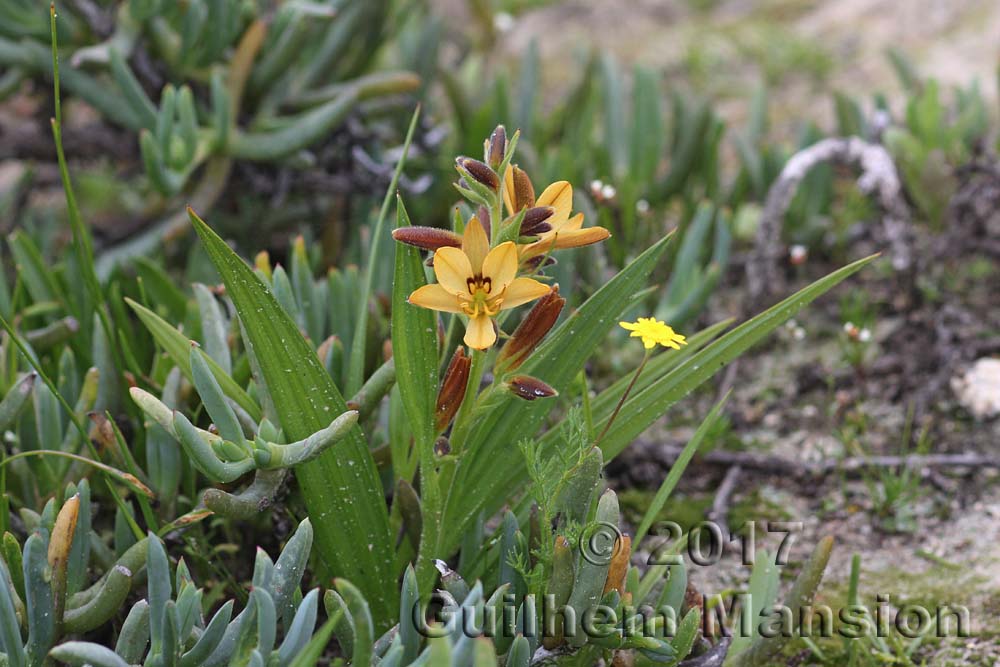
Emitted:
<point x="414" y="340"/>
<point x="677" y="469"/>
<point x="641" y="410"/>
<point x="489" y="470"/>
<point x="178" y="348"/>
<point x="342" y="488"/>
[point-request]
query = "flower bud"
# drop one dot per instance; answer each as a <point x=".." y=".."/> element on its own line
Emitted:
<point x="442" y="447"/>
<point x="529" y="388"/>
<point x="427" y="238"/>
<point x="524" y="192"/>
<point x="496" y="146"/>
<point x="534" y="221"/>
<point x="798" y="254"/>
<point x="452" y="389"/>
<point x="480" y="171"/>
<point x="484" y="219"/>
<point x="533" y="328"/>
<point x="533" y="264"/>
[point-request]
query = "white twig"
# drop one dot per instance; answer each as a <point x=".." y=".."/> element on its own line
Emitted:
<point x="878" y="179"/>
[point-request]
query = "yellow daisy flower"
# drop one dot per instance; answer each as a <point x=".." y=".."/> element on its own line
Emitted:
<point x="653" y="332"/>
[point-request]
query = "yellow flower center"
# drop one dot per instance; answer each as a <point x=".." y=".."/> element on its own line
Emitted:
<point x="482" y="302"/>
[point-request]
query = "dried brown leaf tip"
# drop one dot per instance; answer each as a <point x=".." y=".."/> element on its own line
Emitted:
<point x="63" y="531"/>
<point x="427" y="238"/>
<point x="619" y="565"/>
<point x="530" y="388"/>
<point x="533" y="328"/>
<point x="452" y="389"/>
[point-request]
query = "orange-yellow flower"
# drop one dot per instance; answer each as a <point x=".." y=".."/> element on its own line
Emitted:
<point x="566" y="231"/>
<point x="477" y="282"/>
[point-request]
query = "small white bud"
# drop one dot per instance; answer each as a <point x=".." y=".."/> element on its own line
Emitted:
<point x="798" y="254"/>
<point x="642" y="207"/>
<point x="799" y="333"/>
<point x="608" y="192"/>
<point x="864" y="335"/>
<point x="503" y="21"/>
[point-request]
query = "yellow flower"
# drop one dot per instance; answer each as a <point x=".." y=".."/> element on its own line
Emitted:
<point x="566" y="232"/>
<point x="478" y="282"/>
<point x="654" y="332"/>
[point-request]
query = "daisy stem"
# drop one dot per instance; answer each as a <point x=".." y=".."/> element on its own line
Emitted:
<point x="621" y="401"/>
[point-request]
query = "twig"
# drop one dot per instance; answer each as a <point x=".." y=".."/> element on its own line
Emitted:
<point x="713" y="658"/>
<point x="667" y="454"/>
<point x="720" y="505"/>
<point x="878" y="178"/>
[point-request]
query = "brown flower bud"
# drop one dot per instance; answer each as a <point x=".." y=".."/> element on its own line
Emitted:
<point x="533" y="328"/>
<point x="524" y="192"/>
<point x="427" y="238"/>
<point x="529" y="388"/>
<point x="452" y="389"/>
<point x="534" y="221"/>
<point x="442" y="447"/>
<point x="496" y="146"/>
<point x="480" y="171"/>
<point x="534" y="263"/>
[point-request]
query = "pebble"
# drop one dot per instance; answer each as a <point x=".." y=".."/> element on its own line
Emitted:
<point x="978" y="388"/>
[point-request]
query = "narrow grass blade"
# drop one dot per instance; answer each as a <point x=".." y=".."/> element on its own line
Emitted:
<point x="646" y="407"/>
<point x="677" y="469"/>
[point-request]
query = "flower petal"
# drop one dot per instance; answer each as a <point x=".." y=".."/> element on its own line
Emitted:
<point x="559" y="196"/>
<point x="523" y="290"/>
<point x="508" y="189"/>
<point x="479" y="333"/>
<point x="435" y="297"/>
<point x="500" y="266"/>
<point x="580" y="237"/>
<point x="475" y="245"/>
<point x="453" y="270"/>
<point x="573" y="224"/>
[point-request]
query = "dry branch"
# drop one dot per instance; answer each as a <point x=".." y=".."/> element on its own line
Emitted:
<point x="878" y="178"/>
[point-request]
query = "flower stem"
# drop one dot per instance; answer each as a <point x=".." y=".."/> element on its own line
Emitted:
<point x="460" y="430"/>
<point x="621" y="401"/>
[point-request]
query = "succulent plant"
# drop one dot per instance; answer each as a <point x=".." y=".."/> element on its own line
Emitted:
<point x="42" y="588"/>
<point x="167" y="627"/>
<point x="229" y="453"/>
<point x="202" y="86"/>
